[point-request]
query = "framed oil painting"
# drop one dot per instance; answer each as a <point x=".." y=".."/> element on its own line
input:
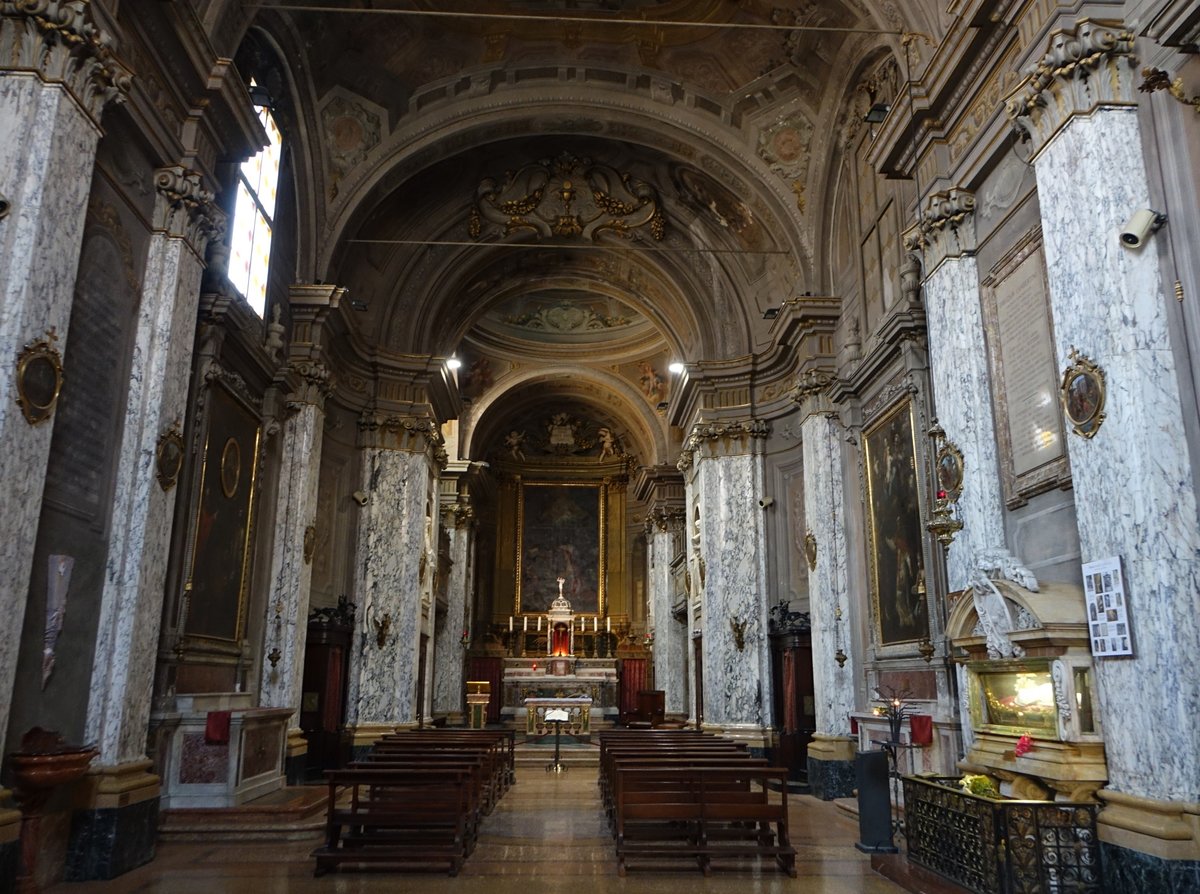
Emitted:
<point x="224" y="524"/>
<point x="561" y="532"/>
<point x="894" y="528"/>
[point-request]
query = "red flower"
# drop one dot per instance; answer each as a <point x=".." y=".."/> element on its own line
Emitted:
<point x="1024" y="745"/>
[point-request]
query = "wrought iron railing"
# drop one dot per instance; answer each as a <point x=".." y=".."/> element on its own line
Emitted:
<point x="996" y="846"/>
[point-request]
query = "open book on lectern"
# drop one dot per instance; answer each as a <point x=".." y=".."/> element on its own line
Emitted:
<point x="557" y="714"/>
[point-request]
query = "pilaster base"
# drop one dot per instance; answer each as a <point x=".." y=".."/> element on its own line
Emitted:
<point x="831" y="766"/>
<point x="757" y="739"/>
<point x="10" y="842"/>
<point x="115" y="824"/>
<point x="362" y="737"/>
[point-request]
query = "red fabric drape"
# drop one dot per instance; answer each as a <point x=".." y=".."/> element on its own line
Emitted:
<point x="216" y="727"/>
<point x="921" y="726"/>
<point x="791" y="716"/>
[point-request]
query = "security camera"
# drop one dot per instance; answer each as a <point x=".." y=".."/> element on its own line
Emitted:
<point x="1140" y="226"/>
<point x="766" y="502"/>
<point x="359" y="497"/>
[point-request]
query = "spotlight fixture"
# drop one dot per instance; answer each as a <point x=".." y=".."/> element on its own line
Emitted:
<point x="662" y="406"/>
<point x="259" y="97"/>
<point x="770" y="313"/>
<point x="676" y="368"/>
<point x="359" y="305"/>
<point x="453" y="363"/>
<point x="877" y="113"/>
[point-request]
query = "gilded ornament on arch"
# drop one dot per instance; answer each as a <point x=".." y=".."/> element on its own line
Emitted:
<point x="1083" y="393"/>
<point x="810" y="550"/>
<point x="168" y="457"/>
<point x="949" y="464"/>
<point x="39" y="378"/>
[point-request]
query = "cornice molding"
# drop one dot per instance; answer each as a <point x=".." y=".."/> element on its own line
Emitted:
<point x="411" y="434"/>
<point x="1090" y="66"/>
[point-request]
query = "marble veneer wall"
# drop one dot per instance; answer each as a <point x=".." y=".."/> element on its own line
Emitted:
<point x="1132" y="480"/>
<point x="396" y="476"/>
<point x="830" y="771"/>
<point x="670" y="666"/>
<point x="727" y="484"/>
<point x="449" y="652"/>
<point x="49" y="125"/>
<point x="959" y="370"/>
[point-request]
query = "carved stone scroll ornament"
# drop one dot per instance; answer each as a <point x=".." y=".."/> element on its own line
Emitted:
<point x="995" y="618"/>
<point x="59" y="40"/>
<point x="567" y="197"/>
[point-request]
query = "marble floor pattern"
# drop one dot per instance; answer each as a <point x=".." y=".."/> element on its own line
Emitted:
<point x="548" y="831"/>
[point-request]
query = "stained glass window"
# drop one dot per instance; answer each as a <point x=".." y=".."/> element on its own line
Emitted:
<point x="254" y="217"/>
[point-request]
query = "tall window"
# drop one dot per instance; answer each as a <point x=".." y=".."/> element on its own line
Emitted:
<point x="254" y="217"/>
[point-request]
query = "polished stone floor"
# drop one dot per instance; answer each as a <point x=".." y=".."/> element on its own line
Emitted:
<point x="548" y="834"/>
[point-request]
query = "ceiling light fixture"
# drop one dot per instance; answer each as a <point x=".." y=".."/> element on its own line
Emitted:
<point x="770" y="313"/>
<point x="676" y="368"/>
<point x="453" y="363"/>
<point x="358" y="304"/>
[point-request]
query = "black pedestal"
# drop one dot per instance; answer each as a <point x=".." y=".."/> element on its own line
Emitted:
<point x="874" y="803"/>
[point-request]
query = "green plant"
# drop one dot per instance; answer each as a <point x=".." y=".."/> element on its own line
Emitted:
<point x="977" y="784"/>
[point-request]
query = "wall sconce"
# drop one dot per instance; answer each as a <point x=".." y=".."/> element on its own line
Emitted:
<point x="877" y="113"/>
<point x="738" y="626"/>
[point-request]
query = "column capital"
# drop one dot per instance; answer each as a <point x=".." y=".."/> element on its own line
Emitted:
<point x="946" y="228"/>
<point x="412" y="434"/>
<point x="727" y="438"/>
<point x="812" y="392"/>
<point x="665" y="519"/>
<point x="60" y="42"/>
<point x="459" y="513"/>
<point x="1086" y="67"/>
<point x="185" y="208"/>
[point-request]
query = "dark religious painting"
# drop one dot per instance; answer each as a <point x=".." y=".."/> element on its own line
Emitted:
<point x="224" y="520"/>
<point x="561" y="533"/>
<point x="894" y="519"/>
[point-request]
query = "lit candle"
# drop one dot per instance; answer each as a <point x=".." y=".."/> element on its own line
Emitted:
<point x="525" y="624"/>
<point x="510" y="623"/>
<point x="595" y="624"/>
<point x="539" y="623"/>
<point x="608" y="625"/>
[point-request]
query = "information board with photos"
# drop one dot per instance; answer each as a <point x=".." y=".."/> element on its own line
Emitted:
<point x="1107" y="609"/>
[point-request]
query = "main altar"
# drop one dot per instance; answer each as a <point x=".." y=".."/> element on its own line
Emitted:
<point x="554" y="675"/>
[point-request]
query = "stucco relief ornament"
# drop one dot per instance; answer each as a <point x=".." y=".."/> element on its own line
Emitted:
<point x="810" y="550"/>
<point x="995" y="619"/>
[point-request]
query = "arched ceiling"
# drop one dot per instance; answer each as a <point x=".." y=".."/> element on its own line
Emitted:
<point x="426" y="125"/>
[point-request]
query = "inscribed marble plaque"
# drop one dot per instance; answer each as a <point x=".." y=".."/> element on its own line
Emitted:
<point x="1027" y="359"/>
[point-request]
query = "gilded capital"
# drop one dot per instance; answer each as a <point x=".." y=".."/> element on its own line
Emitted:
<point x="59" y="40"/>
<point x="946" y="229"/>
<point x="185" y="209"/>
<point x="1087" y="67"/>
<point x="725" y="438"/>
<point x="413" y="434"/>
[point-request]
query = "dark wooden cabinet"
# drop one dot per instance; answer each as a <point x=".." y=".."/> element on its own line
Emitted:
<point x="794" y="699"/>
<point x="323" y="701"/>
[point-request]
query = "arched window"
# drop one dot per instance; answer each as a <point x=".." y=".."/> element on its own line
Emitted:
<point x="254" y="217"/>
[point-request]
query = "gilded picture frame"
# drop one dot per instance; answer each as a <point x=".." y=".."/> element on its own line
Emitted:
<point x="39" y="379"/>
<point x="894" y="527"/>
<point x="1082" y="394"/>
<point x="562" y="531"/>
<point x="223" y="525"/>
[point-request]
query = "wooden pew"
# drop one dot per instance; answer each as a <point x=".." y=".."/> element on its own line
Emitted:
<point x="701" y="813"/>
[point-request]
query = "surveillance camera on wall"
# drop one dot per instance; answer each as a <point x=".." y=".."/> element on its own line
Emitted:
<point x="1143" y="222"/>
<point x="766" y="502"/>
<point x="359" y="497"/>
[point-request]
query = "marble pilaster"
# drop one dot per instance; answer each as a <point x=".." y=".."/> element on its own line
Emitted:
<point x="397" y="478"/>
<point x="663" y="526"/>
<point x="449" y="682"/>
<point x="135" y="573"/>
<point x="726" y="486"/>
<point x="1132" y="481"/>
<point x="960" y="373"/>
<point x="829" y="600"/>
<point x="58" y="74"/>
<point x="307" y="382"/>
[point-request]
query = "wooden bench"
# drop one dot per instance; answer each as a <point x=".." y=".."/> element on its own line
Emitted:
<point x="397" y="817"/>
<point x="702" y="814"/>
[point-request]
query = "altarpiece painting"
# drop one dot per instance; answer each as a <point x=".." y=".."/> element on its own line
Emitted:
<point x="561" y="530"/>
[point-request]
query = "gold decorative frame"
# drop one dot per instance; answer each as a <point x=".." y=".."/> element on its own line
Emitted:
<point x="168" y="457"/>
<point x="810" y="550"/>
<point x="898" y="549"/>
<point x="39" y="378"/>
<point x="601" y="490"/>
<point x="1082" y="394"/>
<point x="948" y="467"/>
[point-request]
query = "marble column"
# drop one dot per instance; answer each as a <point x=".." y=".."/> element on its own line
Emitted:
<point x="398" y="476"/>
<point x="140" y="525"/>
<point x="57" y="73"/>
<point x="449" y="681"/>
<point x="664" y="525"/>
<point x="305" y="380"/>
<point x="958" y="360"/>
<point x="1133" y="483"/>
<point x="726" y="484"/>
<point x="831" y="753"/>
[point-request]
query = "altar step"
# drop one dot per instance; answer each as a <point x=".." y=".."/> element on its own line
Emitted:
<point x="294" y="813"/>
<point x="530" y="756"/>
